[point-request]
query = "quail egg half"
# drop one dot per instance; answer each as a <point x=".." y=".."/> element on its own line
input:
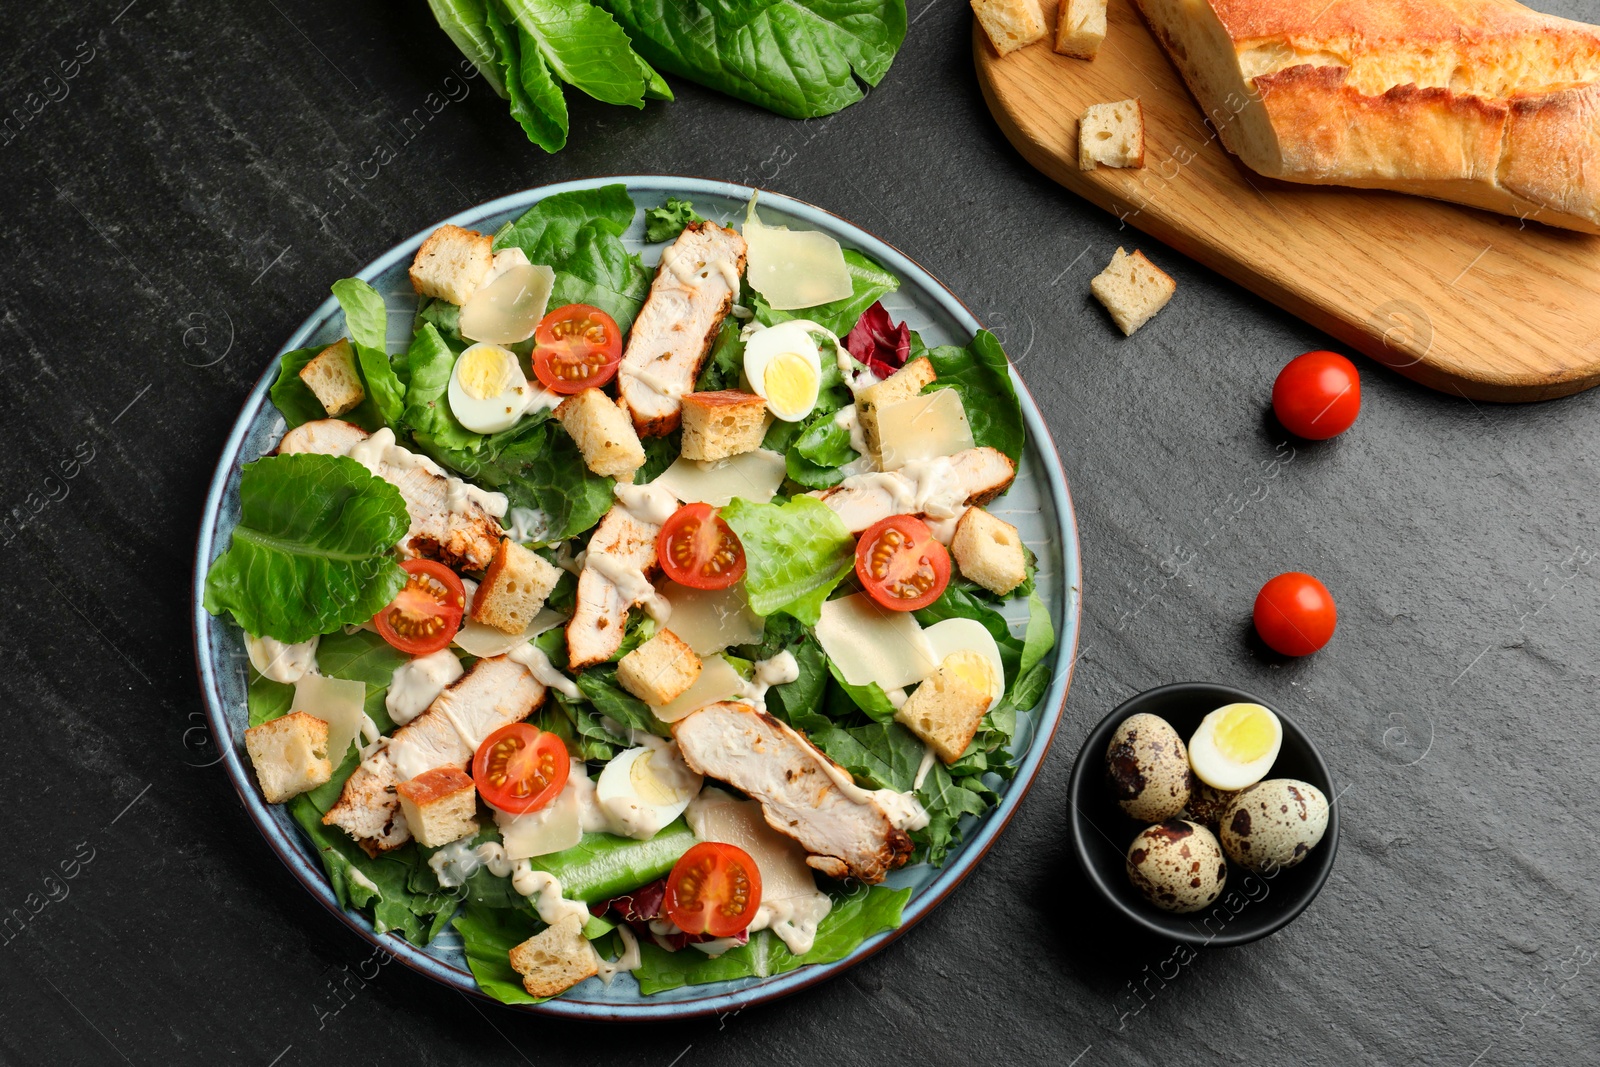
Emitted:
<point x="1148" y="768"/>
<point x="1235" y="746"/>
<point x="1274" y="824"/>
<point x="1177" y="866"/>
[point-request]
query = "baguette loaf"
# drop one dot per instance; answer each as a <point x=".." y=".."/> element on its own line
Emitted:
<point x="1479" y="102"/>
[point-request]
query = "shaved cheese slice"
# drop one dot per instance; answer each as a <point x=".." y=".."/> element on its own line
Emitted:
<point x="554" y="827"/>
<point x="718" y="681"/>
<point x="717" y="816"/>
<point x="793" y="268"/>
<point x="871" y="644"/>
<point x="922" y="427"/>
<point x="336" y="701"/>
<point x="477" y="639"/>
<point x="754" y="476"/>
<point x="710" y="620"/>
<point x="508" y="309"/>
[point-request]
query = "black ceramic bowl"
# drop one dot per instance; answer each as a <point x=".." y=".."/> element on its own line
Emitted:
<point x="1251" y="905"/>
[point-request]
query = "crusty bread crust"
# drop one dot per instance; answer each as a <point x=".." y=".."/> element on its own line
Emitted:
<point x="1480" y="102"/>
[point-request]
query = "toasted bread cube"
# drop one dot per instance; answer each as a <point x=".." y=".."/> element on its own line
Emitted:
<point x="514" y="588"/>
<point x="555" y="959"/>
<point x="1133" y="289"/>
<point x="290" y="755"/>
<point x="946" y="709"/>
<point x="333" y="378"/>
<point x="1081" y="28"/>
<point x="721" y="424"/>
<point x="660" y="670"/>
<point x="452" y="263"/>
<point x="989" y="551"/>
<point x="604" y="434"/>
<point x="440" y="806"/>
<point x="1010" y="24"/>
<point x="1112" y="134"/>
<point x="903" y="384"/>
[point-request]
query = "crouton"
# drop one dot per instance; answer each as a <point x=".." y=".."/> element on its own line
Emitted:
<point x="439" y="805"/>
<point x="1010" y="24"/>
<point x="722" y="424"/>
<point x="1081" y="28"/>
<point x="660" y="670"/>
<point x="555" y="959"/>
<point x="904" y="383"/>
<point x="1133" y="289"/>
<point x="604" y="434"/>
<point x="333" y="378"/>
<point x="290" y="755"/>
<point x="947" y="707"/>
<point x="514" y="588"/>
<point x="1112" y="134"/>
<point x="452" y="263"/>
<point x="989" y="551"/>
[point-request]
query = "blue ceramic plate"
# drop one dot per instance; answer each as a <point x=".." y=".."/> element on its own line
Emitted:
<point x="1037" y="504"/>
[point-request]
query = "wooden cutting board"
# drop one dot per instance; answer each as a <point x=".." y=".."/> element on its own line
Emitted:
<point x="1465" y="301"/>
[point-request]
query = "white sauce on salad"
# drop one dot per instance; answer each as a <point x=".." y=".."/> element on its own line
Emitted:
<point x="847" y="418"/>
<point x="924" y="767"/>
<point x="665" y="387"/>
<point x="379" y="450"/>
<point x="630" y="960"/>
<point x="780" y="669"/>
<point x="904" y="809"/>
<point x="631" y="583"/>
<point x="418" y="682"/>
<point x="793" y="920"/>
<point x="528" y="524"/>
<point x="544" y="672"/>
<point x="651" y="503"/>
<point x="456" y="862"/>
<point x="690" y="272"/>
<point x="362" y="880"/>
<point x="928" y="487"/>
<point x="279" y="662"/>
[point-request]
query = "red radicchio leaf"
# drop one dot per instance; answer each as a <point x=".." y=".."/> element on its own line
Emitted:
<point x="883" y="346"/>
<point x="647" y="902"/>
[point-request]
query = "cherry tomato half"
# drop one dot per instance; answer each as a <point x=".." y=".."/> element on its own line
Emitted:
<point x="1317" y="395"/>
<point x="576" y="347"/>
<point x="713" y="889"/>
<point x="1294" y="614"/>
<point x="900" y="564"/>
<point x="426" y="614"/>
<point x="520" y="768"/>
<point x="697" y="549"/>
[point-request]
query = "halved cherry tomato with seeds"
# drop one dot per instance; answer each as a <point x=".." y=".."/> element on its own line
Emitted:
<point x="520" y="768"/>
<point x="697" y="549"/>
<point x="900" y="565"/>
<point x="576" y="347"/>
<point x="714" y="888"/>
<point x="426" y="614"/>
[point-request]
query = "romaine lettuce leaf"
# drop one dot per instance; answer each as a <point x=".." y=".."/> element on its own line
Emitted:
<point x="579" y="235"/>
<point x="536" y="100"/>
<point x="796" y="553"/>
<point x="466" y="24"/>
<point x="366" y="322"/>
<point x="583" y="46"/>
<point x="599" y="685"/>
<point x="981" y="376"/>
<point x="312" y="548"/>
<point x="427" y="413"/>
<point x="817" y="454"/>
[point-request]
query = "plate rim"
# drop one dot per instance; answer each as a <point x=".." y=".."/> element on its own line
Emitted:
<point x="983" y="836"/>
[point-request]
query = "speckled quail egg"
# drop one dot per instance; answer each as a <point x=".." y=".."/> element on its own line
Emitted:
<point x="1177" y="865"/>
<point x="1274" y="824"/>
<point x="1148" y="768"/>
<point x="1207" y="804"/>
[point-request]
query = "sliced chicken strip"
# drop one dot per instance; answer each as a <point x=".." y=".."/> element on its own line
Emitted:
<point x="451" y="521"/>
<point x="803" y="793"/>
<point x="496" y="692"/>
<point x="694" y="289"/>
<point x="939" y="488"/>
<point x="616" y="575"/>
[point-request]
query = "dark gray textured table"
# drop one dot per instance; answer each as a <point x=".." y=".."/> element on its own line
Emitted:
<point x="211" y="170"/>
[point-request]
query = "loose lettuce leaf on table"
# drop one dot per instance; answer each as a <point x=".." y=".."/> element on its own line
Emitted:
<point x="312" y="548"/>
<point x="465" y="22"/>
<point x="795" y="552"/>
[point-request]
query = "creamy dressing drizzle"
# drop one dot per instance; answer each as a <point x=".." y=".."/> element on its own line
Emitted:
<point x="780" y="669"/>
<point x="847" y="418"/>
<point x="652" y="503"/>
<point x="630" y="960"/>
<point x="903" y="809"/>
<point x="456" y="862"/>
<point x="690" y="273"/>
<point x="528" y="524"/>
<point x="631" y="584"/>
<point x="379" y="450"/>
<point x="656" y="383"/>
<point x="544" y="672"/>
<point x="922" y="487"/>
<point x="279" y="662"/>
<point x="362" y="880"/>
<point x="418" y="683"/>
<point x="924" y="767"/>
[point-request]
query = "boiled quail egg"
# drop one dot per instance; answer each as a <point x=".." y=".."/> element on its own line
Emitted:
<point x="784" y="365"/>
<point x="488" y="391"/>
<point x="1148" y="768"/>
<point x="966" y="647"/>
<point x="644" y="789"/>
<point x="1177" y="866"/>
<point x="1235" y="746"/>
<point x="1274" y="824"/>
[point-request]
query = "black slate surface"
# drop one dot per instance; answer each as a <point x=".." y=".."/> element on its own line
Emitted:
<point x="187" y="198"/>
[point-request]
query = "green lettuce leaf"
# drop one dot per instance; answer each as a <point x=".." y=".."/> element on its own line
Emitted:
<point x="536" y="100"/>
<point x="599" y="685"/>
<point x="579" y="235"/>
<point x="583" y="46"/>
<point x="1033" y="674"/>
<point x="298" y="404"/>
<point x="366" y="322"/>
<point x="488" y="935"/>
<point x="427" y="413"/>
<point x="817" y="454"/>
<point x="726" y="363"/>
<point x="312" y="548"/>
<point x="981" y="376"/>
<point x="664" y="223"/>
<point x="466" y="24"/>
<point x="796" y="553"/>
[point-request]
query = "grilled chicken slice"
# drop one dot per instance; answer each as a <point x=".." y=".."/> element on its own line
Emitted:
<point x="496" y="692"/>
<point x="972" y="477"/>
<point x="449" y="519"/>
<point x="694" y="289"/>
<point x="622" y="550"/>
<point x="803" y="793"/>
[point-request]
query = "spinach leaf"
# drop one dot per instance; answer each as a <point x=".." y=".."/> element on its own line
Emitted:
<point x="664" y="223"/>
<point x="799" y="58"/>
<point x="583" y="733"/>
<point x="870" y="282"/>
<point x="981" y="376"/>
<point x="579" y="234"/>
<point x="427" y="413"/>
<point x="869" y="699"/>
<point x="726" y="362"/>
<point x="796" y="553"/>
<point x="817" y="454"/>
<point x="1033" y="675"/>
<point x="312" y="548"/>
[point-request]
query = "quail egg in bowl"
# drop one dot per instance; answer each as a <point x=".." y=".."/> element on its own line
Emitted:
<point x="1148" y="768"/>
<point x="1177" y="866"/>
<point x="1274" y="824"/>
